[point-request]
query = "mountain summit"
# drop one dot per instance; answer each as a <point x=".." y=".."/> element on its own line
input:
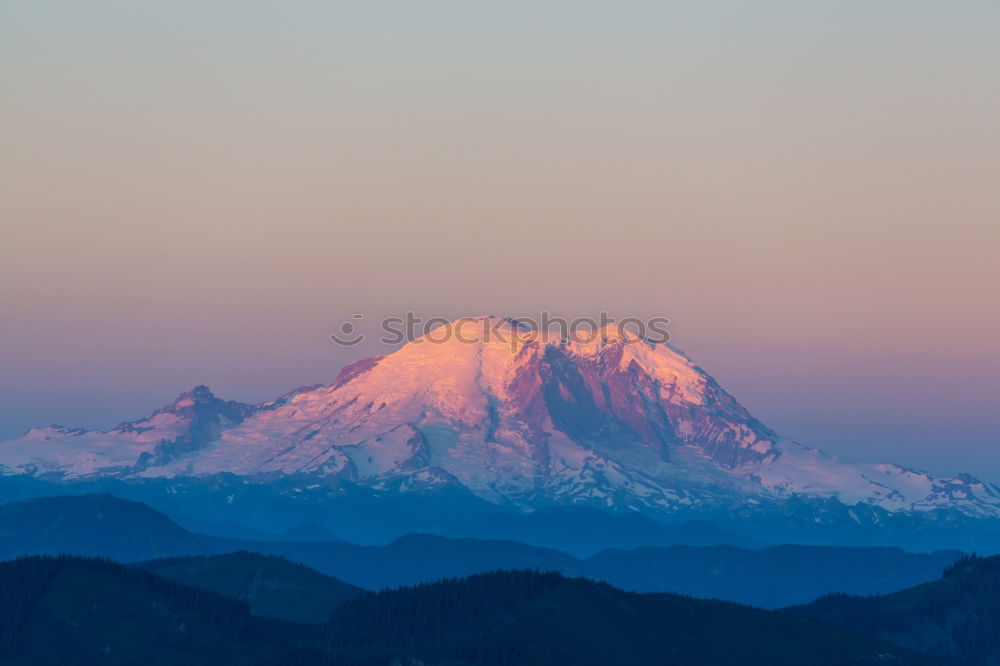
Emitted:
<point x="518" y="418"/>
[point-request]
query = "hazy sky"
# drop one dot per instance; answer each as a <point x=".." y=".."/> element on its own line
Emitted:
<point x="199" y="192"/>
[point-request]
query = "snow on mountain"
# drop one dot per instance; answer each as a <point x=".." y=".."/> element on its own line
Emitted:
<point x="517" y="418"/>
<point x="196" y="417"/>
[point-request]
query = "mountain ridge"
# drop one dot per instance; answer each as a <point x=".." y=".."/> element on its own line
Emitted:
<point x="71" y="610"/>
<point x="273" y="586"/>
<point x="953" y="618"/>
<point x="525" y="421"/>
<point x="107" y="526"/>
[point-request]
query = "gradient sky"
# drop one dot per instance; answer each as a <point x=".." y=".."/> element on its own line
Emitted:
<point x="199" y="192"/>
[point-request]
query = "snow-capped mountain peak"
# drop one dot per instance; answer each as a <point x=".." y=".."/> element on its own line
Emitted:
<point x="522" y="417"/>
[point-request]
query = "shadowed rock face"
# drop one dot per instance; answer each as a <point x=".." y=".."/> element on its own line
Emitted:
<point x="609" y="400"/>
<point x="206" y="414"/>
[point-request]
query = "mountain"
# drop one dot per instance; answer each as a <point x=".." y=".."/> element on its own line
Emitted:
<point x="524" y="618"/>
<point x="953" y="619"/>
<point x="194" y="419"/>
<point x="75" y="611"/>
<point x="96" y="525"/>
<point x="585" y="531"/>
<point x="414" y="558"/>
<point x="305" y="531"/>
<point x="110" y="527"/>
<point x="517" y="420"/>
<point x="229" y="530"/>
<point x="70" y="611"/>
<point x="770" y="577"/>
<point x="107" y="526"/>
<point x="273" y="586"/>
<point x="308" y="531"/>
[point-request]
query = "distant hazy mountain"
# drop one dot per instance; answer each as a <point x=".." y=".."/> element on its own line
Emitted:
<point x="59" y="611"/>
<point x="304" y="531"/>
<point x="954" y="618"/>
<point x="516" y="421"/>
<point x="770" y="577"/>
<point x="110" y="527"/>
<point x="585" y="531"/>
<point x="415" y="558"/>
<point x="96" y="525"/>
<point x="273" y="586"/>
<point x="308" y="532"/>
